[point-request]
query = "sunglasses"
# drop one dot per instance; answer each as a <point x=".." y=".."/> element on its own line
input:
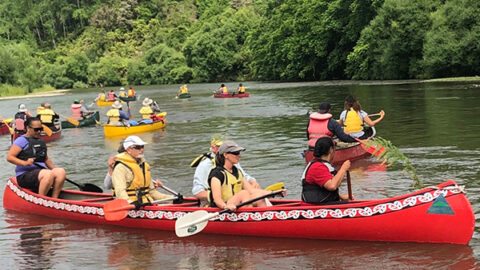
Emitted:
<point x="37" y="129"/>
<point x="236" y="153"/>
<point x="138" y="147"/>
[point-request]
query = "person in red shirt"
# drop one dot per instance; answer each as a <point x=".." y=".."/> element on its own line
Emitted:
<point x="320" y="180"/>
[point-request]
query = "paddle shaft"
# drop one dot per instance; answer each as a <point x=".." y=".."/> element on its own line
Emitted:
<point x="170" y="190"/>
<point x="9" y="128"/>
<point x="131" y="206"/>
<point x="349" y="186"/>
<point x="375" y="114"/>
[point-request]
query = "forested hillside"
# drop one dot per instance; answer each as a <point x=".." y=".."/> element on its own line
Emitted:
<point x="81" y="43"/>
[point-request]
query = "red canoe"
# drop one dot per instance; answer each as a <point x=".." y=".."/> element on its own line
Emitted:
<point x="4" y="128"/>
<point x="55" y="136"/>
<point x="218" y="95"/>
<point x="440" y="214"/>
<point x="345" y="151"/>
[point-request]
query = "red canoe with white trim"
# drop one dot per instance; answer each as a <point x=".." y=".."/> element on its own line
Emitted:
<point x="55" y="136"/>
<point x="439" y="214"/>
<point x="218" y="95"/>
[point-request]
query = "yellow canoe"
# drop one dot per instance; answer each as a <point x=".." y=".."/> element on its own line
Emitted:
<point x="114" y="131"/>
<point x="101" y="103"/>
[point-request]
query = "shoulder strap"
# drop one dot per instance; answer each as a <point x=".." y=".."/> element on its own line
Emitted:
<point x="199" y="159"/>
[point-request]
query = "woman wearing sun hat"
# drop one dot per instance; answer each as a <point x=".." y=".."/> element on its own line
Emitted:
<point x="146" y="111"/>
<point x="116" y="115"/>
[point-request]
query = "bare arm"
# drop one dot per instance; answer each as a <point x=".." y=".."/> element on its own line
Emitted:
<point x="371" y="122"/>
<point x="336" y="180"/>
<point x="12" y="157"/>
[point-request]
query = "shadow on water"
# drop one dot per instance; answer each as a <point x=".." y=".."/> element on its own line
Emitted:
<point x="47" y="243"/>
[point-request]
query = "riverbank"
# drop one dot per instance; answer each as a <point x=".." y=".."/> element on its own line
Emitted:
<point x="59" y="92"/>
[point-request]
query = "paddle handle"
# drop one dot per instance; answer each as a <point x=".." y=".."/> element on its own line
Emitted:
<point x="170" y="190"/>
<point x="251" y="201"/>
<point x="349" y="186"/>
<point x="375" y="114"/>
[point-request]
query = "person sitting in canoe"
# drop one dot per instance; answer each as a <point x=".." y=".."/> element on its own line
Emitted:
<point x="241" y="89"/>
<point x="320" y="180"/>
<point x="40" y="108"/>
<point x="227" y="185"/>
<point x="48" y="117"/>
<point x="131" y="179"/>
<point x="34" y="169"/>
<point x="223" y="89"/>
<point x="116" y="116"/>
<point x="78" y="111"/>
<point x="130" y="92"/>
<point x="322" y="124"/>
<point x="353" y="118"/>
<point x="101" y="96"/>
<point x="148" y="114"/>
<point x="204" y="163"/>
<point x="20" y="117"/>
<point x="112" y="96"/>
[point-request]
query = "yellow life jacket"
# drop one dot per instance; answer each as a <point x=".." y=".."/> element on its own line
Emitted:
<point x="102" y="97"/>
<point x="46" y="116"/>
<point x="146" y="111"/>
<point x="241" y="89"/>
<point x="353" y="122"/>
<point x="39" y="110"/>
<point x="224" y="90"/>
<point x="231" y="186"/>
<point x="122" y="94"/>
<point x="141" y="178"/>
<point x="113" y="116"/>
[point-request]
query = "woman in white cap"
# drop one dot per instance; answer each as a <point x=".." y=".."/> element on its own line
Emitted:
<point x="20" y="118"/>
<point x="131" y="177"/>
<point x="116" y="115"/>
<point x="227" y="184"/>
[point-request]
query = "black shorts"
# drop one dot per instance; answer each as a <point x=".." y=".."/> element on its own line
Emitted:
<point x="29" y="180"/>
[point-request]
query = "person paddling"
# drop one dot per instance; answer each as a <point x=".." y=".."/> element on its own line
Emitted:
<point x="223" y="89"/>
<point x="116" y="116"/>
<point x="320" y="180"/>
<point x="20" y="117"/>
<point x="48" y="116"/>
<point x="353" y="118"/>
<point x="34" y="169"/>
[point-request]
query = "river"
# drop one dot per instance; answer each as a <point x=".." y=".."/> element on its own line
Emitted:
<point x="434" y="124"/>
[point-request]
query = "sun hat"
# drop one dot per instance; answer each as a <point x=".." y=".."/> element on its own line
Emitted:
<point x="22" y="108"/>
<point x="147" y="102"/>
<point x="217" y="139"/>
<point x="132" y="140"/>
<point x="117" y="104"/>
<point x="229" y="146"/>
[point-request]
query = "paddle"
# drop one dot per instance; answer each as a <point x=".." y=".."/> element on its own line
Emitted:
<point x="118" y="209"/>
<point x="47" y="130"/>
<point x="195" y="222"/>
<point x="71" y="120"/>
<point x="349" y="186"/>
<point x="377" y="150"/>
<point x="10" y="129"/>
<point x="83" y="187"/>
<point x="275" y="187"/>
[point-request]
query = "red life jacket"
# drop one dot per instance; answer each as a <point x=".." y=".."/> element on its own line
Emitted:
<point x="20" y="119"/>
<point x="76" y="111"/>
<point x="318" y="127"/>
<point x="111" y="96"/>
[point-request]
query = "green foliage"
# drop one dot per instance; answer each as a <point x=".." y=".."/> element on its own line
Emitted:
<point x="109" y="71"/>
<point x="11" y="90"/>
<point x="385" y="150"/>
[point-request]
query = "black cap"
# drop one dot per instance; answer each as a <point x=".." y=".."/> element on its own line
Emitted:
<point x="324" y="107"/>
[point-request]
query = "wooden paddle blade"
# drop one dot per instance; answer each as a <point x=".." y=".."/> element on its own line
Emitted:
<point x="47" y="130"/>
<point x="73" y="121"/>
<point x="276" y="186"/>
<point x="117" y="209"/>
<point x="192" y="223"/>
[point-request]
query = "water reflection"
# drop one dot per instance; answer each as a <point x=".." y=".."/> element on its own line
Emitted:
<point x="37" y="247"/>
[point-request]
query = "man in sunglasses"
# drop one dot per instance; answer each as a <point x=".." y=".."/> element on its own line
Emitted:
<point x="34" y="169"/>
<point x="204" y="163"/>
<point x="131" y="176"/>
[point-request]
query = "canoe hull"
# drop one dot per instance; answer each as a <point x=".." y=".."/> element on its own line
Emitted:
<point x="217" y="95"/>
<point x="351" y="153"/>
<point x="101" y="103"/>
<point x="181" y="96"/>
<point x="4" y="128"/>
<point x="128" y="99"/>
<point x="114" y="131"/>
<point x="90" y="121"/>
<point x="406" y="218"/>
<point x="55" y="136"/>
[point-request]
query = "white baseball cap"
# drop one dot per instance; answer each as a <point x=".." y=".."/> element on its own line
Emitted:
<point x="133" y="140"/>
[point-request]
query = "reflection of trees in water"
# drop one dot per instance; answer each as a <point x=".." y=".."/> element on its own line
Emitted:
<point x="131" y="253"/>
<point x="229" y="258"/>
<point x="37" y="247"/>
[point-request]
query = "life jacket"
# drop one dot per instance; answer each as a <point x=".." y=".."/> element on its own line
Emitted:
<point x="183" y="90"/>
<point x="224" y="90"/>
<point x="111" y="96"/>
<point x="353" y="122"/>
<point x="122" y="93"/>
<point x="77" y="111"/>
<point x="138" y="188"/>
<point x="46" y="116"/>
<point x="146" y="111"/>
<point x="20" y="118"/>
<point x="241" y="90"/>
<point x="312" y="193"/>
<point x="231" y="186"/>
<point x="102" y="97"/>
<point x="318" y="127"/>
<point x="39" y="110"/>
<point x="131" y="92"/>
<point x="113" y="116"/>
<point x="36" y="148"/>
<point x="200" y="158"/>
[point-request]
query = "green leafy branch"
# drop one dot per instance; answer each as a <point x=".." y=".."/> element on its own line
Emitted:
<point x="384" y="149"/>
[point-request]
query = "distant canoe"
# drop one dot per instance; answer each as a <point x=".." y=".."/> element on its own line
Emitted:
<point x="184" y="95"/>
<point x="128" y="99"/>
<point x="102" y="103"/>
<point x="114" y="131"/>
<point x="4" y="129"/>
<point x="90" y="121"/>
<point x="233" y="95"/>
<point x="55" y="136"/>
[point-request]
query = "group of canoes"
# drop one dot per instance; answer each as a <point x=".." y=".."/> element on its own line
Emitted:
<point x="221" y="92"/>
<point x="426" y="215"/>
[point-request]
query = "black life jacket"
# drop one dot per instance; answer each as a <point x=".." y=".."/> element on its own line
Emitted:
<point x="314" y="193"/>
<point x="36" y="148"/>
<point x="200" y="158"/>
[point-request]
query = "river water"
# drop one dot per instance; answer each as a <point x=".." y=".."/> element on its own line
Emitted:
<point x="434" y="124"/>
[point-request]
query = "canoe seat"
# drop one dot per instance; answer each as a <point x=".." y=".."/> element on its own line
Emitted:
<point x="97" y="199"/>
